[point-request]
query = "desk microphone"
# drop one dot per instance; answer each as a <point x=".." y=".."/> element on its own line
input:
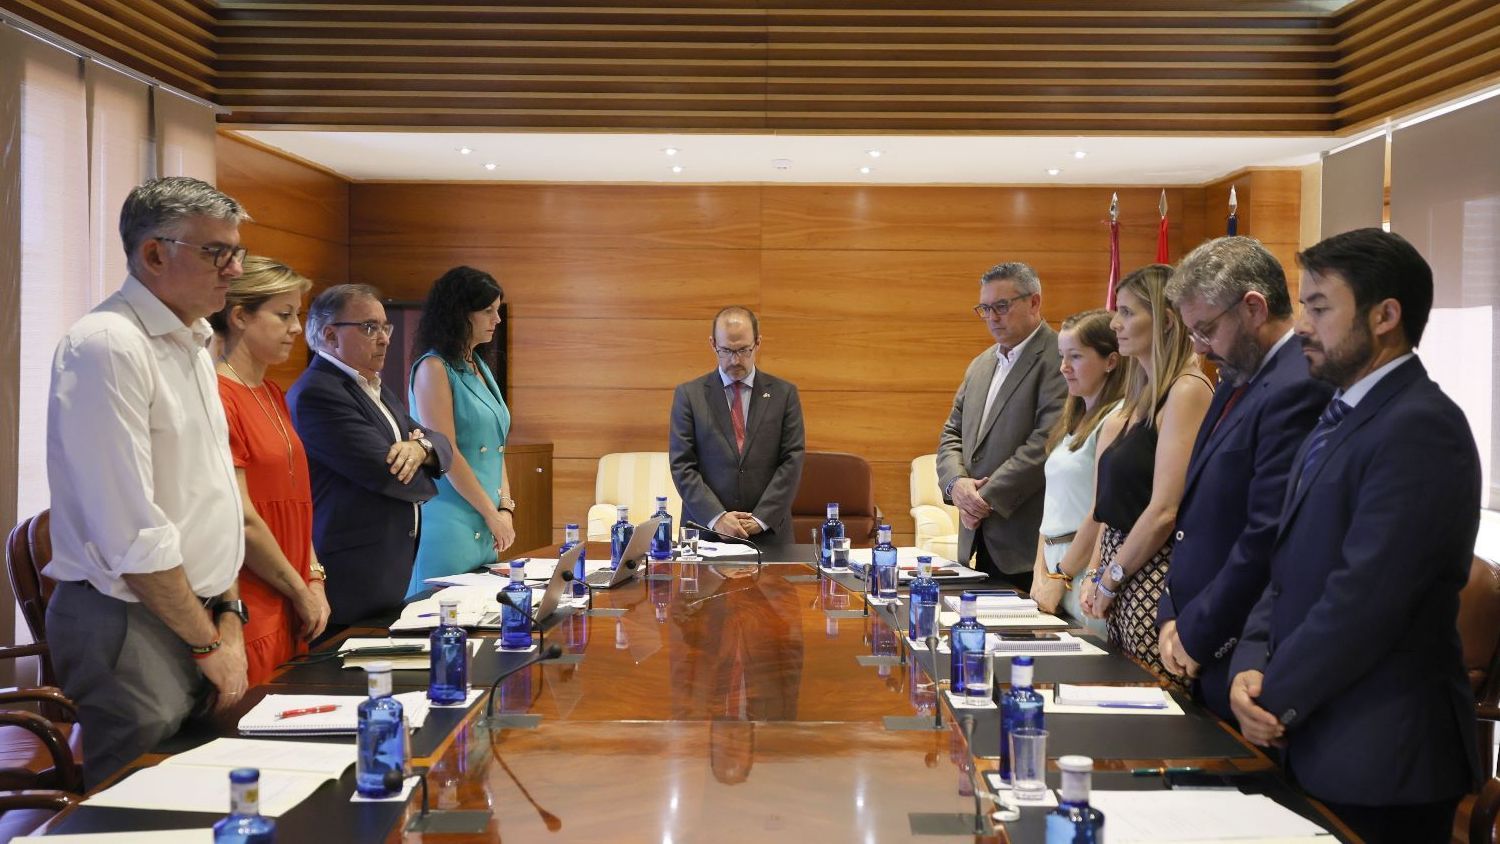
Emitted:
<point x="552" y="651"/>
<point x="724" y="537"/>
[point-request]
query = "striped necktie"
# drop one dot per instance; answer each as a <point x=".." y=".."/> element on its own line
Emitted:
<point x="1328" y="422"/>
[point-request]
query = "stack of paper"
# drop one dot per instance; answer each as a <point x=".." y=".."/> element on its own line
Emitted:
<point x="270" y="716"/>
<point x="419" y="659"/>
<point x="714" y="550"/>
<point x="198" y="780"/>
<point x="1201" y="816"/>
<point x="477" y="607"/>
<point x="1111" y="697"/>
<point x="1065" y="643"/>
<point x="995" y="605"/>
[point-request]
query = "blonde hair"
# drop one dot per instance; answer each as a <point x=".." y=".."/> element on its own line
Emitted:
<point x="1171" y="347"/>
<point x="262" y="279"/>
<point x="1092" y="330"/>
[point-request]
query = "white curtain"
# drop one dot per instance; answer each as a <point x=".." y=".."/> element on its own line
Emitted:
<point x="121" y="156"/>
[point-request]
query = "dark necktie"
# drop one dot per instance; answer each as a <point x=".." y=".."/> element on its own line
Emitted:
<point x="737" y="416"/>
<point x="1317" y="441"/>
<point x="1234" y="398"/>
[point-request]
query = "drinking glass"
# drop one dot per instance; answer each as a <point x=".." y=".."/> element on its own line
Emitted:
<point x="1028" y="762"/>
<point x="690" y="543"/>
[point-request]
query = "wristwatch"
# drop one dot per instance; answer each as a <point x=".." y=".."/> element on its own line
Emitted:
<point x="425" y="443"/>
<point x="507" y="503"/>
<point x="236" y="607"/>
<point x="316" y="571"/>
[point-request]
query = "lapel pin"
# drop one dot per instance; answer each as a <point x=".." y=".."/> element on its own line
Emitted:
<point x="765" y="395"/>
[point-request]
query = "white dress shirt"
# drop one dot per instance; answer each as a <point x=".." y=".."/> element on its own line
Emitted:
<point x="371" y="388"/>
<point x="1005" y="362"/>
<point x="138" y="451"/>
<point x="1361" y="388"/>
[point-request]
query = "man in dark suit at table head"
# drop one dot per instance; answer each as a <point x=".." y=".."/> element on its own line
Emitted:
<point x="371" y="466"/>
<point x="1232" y="295"/>
<point x="1351" y="660"/>
<point x="737" y="440"/>
<point x="993" y="446"/>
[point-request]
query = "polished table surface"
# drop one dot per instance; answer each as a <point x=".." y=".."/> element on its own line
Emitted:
<point x="719" y="701"/>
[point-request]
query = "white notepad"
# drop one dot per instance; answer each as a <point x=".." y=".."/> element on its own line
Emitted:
<point x="1068" y="694"/>
<point x="150" y="836"/>
<point x="1066" y="644"/>
<point x="994" y="604"/>
<point x="1052" y="707"/>
<point x="411" y="662"/>
<point x="262" y="720"/>
<point x="198" y="780"/>
<point x="1020" y="621"/>
<point x="1193" y="816"/>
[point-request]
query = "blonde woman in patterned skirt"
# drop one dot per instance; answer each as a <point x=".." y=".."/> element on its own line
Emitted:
<point x="1142" y="465"/>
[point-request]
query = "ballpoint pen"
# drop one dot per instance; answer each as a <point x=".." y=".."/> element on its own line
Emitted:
<point x="1172" y="769"/>
<point x="311" y="710"/>
<point x="1111" y="704"/>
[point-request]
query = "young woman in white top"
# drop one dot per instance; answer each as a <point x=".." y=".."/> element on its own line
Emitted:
<point x="1092" y="367"/>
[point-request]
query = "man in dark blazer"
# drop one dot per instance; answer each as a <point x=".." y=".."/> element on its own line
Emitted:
<point x="1233" y="297"/>
<point x="371" y="466"/>
<point x="1351" y="661"/>
<point x="736" y="440"/>
<point x="993" y="446"/>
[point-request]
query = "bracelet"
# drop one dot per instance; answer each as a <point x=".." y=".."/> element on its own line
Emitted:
<point x="202" y="651"/>
<point x="1057" y="575"/>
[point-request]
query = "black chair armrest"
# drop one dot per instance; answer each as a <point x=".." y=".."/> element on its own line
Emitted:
<point x="39" y="694"/>
<point x="1482" y="817"/>
<point x="37" y="799"/>
<point x="18" y="651"/>
<point x="1487" y="712"/>
<point x="66" y="773"/>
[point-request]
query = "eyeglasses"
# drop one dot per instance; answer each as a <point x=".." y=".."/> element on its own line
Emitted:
<point x="1000" y="308"/>
<point x="735" y="353"/>
<point x="1204" y="333"/>
<point x="220" y="254"/>
<point x="370" y="327"/>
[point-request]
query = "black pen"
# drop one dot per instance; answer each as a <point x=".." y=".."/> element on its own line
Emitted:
<point x="1161" y="772"/>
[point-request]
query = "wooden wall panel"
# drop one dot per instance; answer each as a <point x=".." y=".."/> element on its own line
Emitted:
<point x="301" y="218"/>
<point x="864" y="293"/>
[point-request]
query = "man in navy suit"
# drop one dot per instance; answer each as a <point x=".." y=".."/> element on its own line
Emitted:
<point x="1232" y="295"/>
<point x="371" y="466"/>
<point x="1351" y="661"/>
<point x="736" y="440"/>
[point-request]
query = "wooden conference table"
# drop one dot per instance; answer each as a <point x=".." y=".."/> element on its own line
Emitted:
<point x="721" y="701"/>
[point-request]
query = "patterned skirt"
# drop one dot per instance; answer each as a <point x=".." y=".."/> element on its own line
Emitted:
<point x="1132" y="616"/>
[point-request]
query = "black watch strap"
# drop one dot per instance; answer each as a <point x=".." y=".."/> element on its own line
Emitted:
<point x="237" y="607"/>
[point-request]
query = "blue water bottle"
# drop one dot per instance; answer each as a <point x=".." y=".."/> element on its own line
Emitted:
<point x="515" y="621"/>
<point x="1020" y="707"/>
<point x="570" y="538"/>
<point x="245" y="824"/>
<point x="832" y="529"/>
<point x="448" y="675"/>
<point x="661" y="541"/>
<point x="380" y="743"/>
<point x="922" y="602"/>
<point x="1074" y="821"/>
<point x="883" y="569"/>
<point x="965" y="636"/>
<point x="619" y="535"/>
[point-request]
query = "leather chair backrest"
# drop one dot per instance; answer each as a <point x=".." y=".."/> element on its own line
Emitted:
<point x="1479" y="620"/>
<point x="27" y="552"/>
<point x="835" y="476"/>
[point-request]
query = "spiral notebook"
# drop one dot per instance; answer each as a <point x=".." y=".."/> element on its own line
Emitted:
<point x="342" y="719"/>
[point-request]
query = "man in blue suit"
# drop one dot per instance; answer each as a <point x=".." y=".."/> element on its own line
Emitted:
<point x="1232" y="294"/>
<point x="1351" y="661"/>
<point x="371" y="466"/>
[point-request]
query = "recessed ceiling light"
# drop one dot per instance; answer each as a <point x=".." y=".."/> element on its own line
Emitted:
<point x="1053" y="171"/>
<point x="489" y="166"/>
<point x="464" y="150"/>
<point x="676" y="168"/>
<point x="1080" y="154"/>
<point x="867" y="170"/>
<point x="873" y="153"/>
<point x="671" y="150"/>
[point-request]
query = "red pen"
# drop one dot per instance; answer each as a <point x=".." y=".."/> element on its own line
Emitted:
<point x="311" y="710"/>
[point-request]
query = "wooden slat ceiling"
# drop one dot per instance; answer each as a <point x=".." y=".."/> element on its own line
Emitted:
<point x="1042" y="66"/>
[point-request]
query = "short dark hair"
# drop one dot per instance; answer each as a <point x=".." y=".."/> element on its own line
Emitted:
<point x="1224" y="269"/>
<point x="444" y="327"/>
<point x="736" y="310"/>
<point x="1377" y="265"/>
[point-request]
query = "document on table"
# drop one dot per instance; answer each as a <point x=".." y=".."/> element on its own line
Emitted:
<point x="399" y="662"/>
<point x="1201" y="816"/>
<point x="1066" y="644"/>
<point x="994" y="604"/>
<point x="152" y="836"/>
<point x="198" y="780"/>
<point x="262" y="720"/>
<point x="714" y="550"/>
<point x="1129" y="702"/>
<point x="1021" y="621"/>
<point x="906" y="555"/>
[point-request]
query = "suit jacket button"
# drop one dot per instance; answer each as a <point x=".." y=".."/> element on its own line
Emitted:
<point x="412" y="533"/>
<point x="483" y="449"/>
<point x="476" y="534"/>
<point x="1179" y="536"/>
<point x="1288" y="717"/>
<point x="1275" y="591"/>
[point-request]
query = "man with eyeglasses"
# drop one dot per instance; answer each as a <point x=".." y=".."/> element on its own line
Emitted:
<point x="371" y="465"/>
<point x="991" y="453"/>
<point x="1232" y="295"/>
<point x="144" y="627"/>
<point x="736" y="439"/>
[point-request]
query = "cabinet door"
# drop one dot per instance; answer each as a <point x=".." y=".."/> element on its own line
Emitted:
<point x="530" y="468"/>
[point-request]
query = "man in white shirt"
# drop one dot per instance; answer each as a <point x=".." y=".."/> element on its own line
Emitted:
<point x="147" y="531"/>
<point x="991" y="453"/>
<point x="370" y="465"/>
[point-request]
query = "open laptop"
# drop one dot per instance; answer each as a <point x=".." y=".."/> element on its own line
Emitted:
<point x="635" y="552"/>
<point x="552" y="594"/>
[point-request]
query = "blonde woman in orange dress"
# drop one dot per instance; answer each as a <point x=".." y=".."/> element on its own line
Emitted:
<point x="281" y="582"/>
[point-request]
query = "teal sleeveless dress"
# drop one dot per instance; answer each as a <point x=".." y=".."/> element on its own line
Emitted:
<point x="454" y="537"/>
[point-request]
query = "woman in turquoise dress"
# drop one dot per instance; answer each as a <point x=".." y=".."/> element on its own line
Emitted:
<point x="472" y="518"/>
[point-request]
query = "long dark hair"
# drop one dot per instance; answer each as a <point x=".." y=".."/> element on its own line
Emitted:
<point x="444" y="327"/>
